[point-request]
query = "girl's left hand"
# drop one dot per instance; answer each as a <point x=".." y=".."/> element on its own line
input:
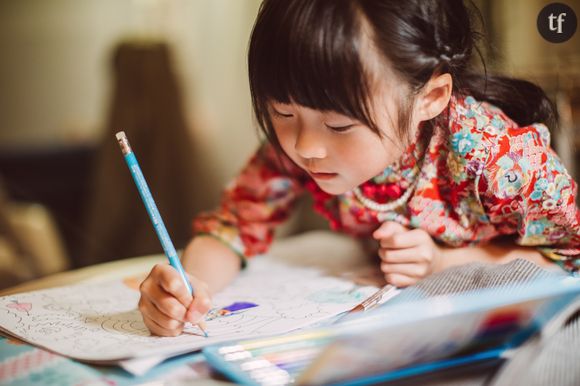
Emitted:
<point x="407" y="255"/>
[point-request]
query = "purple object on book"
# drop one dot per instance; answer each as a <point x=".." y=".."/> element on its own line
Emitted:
<point x="237" y="306"/>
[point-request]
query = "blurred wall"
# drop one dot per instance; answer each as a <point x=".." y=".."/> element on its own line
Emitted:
<point x="522" y="52"/>
<point x="521" y="49"/>
<point x="55" y="71"/>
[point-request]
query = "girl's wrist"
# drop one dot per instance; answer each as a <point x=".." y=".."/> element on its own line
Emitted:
<point x="439" y="260"/>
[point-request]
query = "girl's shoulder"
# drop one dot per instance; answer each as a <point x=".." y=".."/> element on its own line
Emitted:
<point x="479" y="129"/>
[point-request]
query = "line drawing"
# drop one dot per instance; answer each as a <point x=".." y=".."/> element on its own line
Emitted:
<point x="101" y="322"/>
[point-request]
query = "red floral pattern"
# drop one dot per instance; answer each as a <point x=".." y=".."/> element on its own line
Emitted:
<point x="480" y="176"/>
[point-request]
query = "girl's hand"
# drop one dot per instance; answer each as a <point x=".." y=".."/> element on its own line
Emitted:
<point x="407" y="255"/>
<point x="166" y="304"/>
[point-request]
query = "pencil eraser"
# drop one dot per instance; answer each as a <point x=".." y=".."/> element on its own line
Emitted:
<point x="120" y="135"/>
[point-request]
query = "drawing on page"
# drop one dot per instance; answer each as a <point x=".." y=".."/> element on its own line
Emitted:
<point x="236" y="324"/>
<point x="22" y="307"/>
<point x="236" y="307"/>
<point x="337" y="295"/>
<point x="100" y="321"/>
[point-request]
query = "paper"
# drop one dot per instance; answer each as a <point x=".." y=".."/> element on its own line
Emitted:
<point x="101" y="323"/>
<point x="140" y="366"/>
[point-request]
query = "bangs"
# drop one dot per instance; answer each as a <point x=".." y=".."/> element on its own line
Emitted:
<point x="308" y="52"/>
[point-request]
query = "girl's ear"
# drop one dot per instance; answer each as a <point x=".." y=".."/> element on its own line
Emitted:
<point x="434" y="97"/>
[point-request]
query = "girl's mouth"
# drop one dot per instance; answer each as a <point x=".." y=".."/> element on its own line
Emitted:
<point x="322" y="176"/>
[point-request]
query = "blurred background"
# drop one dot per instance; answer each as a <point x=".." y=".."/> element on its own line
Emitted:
<point x="172" y="74"/>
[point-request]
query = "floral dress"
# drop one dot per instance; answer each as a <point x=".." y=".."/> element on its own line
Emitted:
<point x="478" y="176"/>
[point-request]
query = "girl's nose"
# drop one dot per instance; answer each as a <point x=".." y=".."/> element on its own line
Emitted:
<point x="310" y="144"/>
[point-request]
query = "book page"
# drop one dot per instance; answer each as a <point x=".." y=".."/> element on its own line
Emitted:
<point x="100" y="322"/>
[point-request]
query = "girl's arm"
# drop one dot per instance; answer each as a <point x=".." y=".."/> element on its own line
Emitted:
<point x="211" y="261"/>
<point x="260" y="198"/>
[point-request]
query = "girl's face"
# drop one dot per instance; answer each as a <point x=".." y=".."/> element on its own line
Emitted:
<point x="337" y="151"/>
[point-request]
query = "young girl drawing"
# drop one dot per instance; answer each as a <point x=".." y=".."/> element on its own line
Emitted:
<point x="371" y="107"/>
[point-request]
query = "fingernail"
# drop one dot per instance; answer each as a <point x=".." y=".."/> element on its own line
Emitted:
<point x="194" y="316"/>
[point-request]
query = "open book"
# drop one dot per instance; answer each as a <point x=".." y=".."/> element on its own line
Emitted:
<point x="100" y="323"/>
<point x="403" y="339"/>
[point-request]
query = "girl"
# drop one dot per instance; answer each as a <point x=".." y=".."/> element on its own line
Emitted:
<point x="371" y="107"/>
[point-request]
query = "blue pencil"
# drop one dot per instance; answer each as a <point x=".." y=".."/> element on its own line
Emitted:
<point x="153" y="212"/>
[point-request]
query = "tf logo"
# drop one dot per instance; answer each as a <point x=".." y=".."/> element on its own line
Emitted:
<point x="557" y="22"/>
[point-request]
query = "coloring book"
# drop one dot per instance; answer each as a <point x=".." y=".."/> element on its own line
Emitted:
<point x="399" y="340"/>
<point x="101" y="323"/>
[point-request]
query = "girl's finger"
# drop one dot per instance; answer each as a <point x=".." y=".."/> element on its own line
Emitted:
<point x="164" y="302"/>
<point x="388" y="229"/>
<point x="397" y="256"/>
<point x="170" y="280"/>
<point x="416" y="271"/>
<point x="201" y="303"/>
<point x="399" y="280"/>
<point x="150" y="311"/>
<point x="156" y="329"/>
<point x="408" y="239"/>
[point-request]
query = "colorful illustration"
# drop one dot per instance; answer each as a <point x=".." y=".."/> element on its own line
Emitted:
<point x="337" y="295"/>
<point x="235" y="307"/>
<point x="503" y="321"/>
<point x="22" y="307"/>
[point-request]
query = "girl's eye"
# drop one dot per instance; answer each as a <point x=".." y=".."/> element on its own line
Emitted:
<point x="281" y="115"/>
<point x="340" y="129"/>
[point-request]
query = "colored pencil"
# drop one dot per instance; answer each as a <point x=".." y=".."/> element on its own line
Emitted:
<point x="153" y="212"/>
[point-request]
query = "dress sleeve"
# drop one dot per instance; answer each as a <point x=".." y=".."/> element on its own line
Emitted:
<point x="253" y="203"/>
<point x="526" y="190"/>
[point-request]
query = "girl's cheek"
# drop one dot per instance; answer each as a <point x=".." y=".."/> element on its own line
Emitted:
<point x="286" y="140"/>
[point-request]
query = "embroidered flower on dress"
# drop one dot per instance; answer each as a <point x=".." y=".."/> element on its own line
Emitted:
<point x="464" y="141"/>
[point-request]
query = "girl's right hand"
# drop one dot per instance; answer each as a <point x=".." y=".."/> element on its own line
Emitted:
<point x="166" y="304"/>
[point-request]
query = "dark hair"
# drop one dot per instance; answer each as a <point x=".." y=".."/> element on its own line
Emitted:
<point x="309" y="52"/>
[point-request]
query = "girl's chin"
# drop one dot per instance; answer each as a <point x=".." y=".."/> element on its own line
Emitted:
<point x="334" y="189"/>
